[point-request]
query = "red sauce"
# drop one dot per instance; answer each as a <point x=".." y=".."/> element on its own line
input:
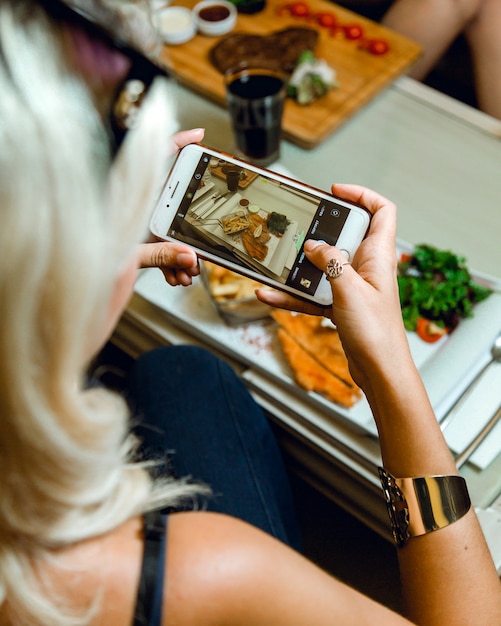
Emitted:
<point x="216" y="13"/>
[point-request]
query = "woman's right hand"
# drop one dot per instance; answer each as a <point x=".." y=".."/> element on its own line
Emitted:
<point x="366" y="305"/>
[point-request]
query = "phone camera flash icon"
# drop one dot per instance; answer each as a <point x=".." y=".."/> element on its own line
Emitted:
<point x="305" y="283"/>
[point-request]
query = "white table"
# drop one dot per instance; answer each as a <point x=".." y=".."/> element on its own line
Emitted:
<point x="440" y="161"/>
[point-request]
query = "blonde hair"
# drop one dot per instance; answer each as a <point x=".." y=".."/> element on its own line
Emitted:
<point x="69" y="223"/>
<point x="130" y="20"/>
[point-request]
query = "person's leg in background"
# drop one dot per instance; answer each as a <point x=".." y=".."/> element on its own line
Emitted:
<point x="436" y="25"/>
<point x="484" y="39"/>
<point x="198" y="413"/>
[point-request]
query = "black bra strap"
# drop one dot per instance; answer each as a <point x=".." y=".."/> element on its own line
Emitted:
<point x="153" y="530"/>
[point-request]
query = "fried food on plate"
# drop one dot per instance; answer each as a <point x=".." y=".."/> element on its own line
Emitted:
<point x="316" y="356"/>
<point x="227" y="285"/>
<point x="256" y="237"/>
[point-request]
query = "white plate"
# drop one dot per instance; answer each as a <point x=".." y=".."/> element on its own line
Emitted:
<point x="446" y="366"/>
<point x="279" y="248"/>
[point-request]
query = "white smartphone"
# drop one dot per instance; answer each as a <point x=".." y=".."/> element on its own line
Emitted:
<point x="255" y="221"/>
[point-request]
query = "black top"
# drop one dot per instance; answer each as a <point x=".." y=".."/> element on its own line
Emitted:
<point x="149" y="598"/>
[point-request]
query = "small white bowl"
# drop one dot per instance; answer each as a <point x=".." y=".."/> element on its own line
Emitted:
<point x="176" y="24"/>
<point x="215" y="17"/>
<point x="158" y="5"/>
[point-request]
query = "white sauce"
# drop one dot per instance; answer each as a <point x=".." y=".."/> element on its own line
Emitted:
<point x="175" y="20"/>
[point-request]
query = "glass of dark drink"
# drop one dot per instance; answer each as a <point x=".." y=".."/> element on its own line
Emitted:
<point x="256" y="95"/>
<point x="232" y="174"/>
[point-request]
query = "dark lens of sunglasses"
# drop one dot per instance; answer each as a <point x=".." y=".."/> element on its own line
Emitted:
<point x="132" y="91"/>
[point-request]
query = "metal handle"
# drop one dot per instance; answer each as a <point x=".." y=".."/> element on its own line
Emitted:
<point x="475" y="443"/>
<point x="447" y="417"/>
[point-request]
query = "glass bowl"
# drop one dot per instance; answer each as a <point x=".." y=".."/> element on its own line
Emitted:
<point x="232" y="295"/>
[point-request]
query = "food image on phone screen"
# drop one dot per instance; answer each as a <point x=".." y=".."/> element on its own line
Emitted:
<point x="255" y="221"/>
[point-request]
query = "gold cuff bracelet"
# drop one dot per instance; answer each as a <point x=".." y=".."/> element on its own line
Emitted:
<point x="417" y="506"/>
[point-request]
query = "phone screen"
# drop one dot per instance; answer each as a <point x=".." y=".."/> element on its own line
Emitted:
<point x="256" y="222"/>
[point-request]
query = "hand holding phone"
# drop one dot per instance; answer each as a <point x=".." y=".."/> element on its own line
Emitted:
<point x="366" y="306"/>
<point x="254" y="221"/>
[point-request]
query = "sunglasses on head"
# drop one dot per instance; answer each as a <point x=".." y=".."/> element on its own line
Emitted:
<point x="131" y="90"/>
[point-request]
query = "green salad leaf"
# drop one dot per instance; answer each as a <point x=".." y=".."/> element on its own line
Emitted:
<point x="277" y="223"/>
<point x="311" y="79"/>
<point x="437" y="285"/>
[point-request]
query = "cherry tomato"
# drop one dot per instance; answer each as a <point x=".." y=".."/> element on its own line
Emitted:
<point x="326" y="19"/>
<point x="299" y="9"/>
<point x="378" y="46"/>
<point x="353" y="31"/>
<point x="405" y="257"/>
<point x="429" y="331"/>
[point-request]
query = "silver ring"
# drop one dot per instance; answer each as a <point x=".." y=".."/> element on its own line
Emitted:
<point x="335" y="268"/>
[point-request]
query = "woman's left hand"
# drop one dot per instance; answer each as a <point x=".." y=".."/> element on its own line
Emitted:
<point x="177" y="261"/>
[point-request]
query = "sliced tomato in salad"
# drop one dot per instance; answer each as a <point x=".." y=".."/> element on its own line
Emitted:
<point x="430" y="331"/>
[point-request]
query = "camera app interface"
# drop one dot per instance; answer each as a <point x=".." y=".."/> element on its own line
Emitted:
<point x="256" y="222"/>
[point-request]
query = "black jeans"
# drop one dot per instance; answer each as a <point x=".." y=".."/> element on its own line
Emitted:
<point x="195" y="412"/>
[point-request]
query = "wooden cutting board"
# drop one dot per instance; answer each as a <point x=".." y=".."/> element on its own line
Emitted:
<point x="361" y="75"/>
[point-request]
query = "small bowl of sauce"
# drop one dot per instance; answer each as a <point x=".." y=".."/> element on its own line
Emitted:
<point x="215" y="17"/>
<point x="176" y="24"/>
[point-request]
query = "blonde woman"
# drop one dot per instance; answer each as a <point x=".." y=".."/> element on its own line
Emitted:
<point x="82" y="539"/>
<point x="71" y="499"/>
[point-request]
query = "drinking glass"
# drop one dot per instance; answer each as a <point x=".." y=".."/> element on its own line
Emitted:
<point x="255" y="94"/>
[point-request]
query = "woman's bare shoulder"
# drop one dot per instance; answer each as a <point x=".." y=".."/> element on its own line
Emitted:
<point x="213" y="562"/>
<point x="221" y="570"/>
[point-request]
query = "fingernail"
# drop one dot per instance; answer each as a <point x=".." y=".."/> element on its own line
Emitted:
<point x="311" y="244"/>
<point x="185" y="259"/>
